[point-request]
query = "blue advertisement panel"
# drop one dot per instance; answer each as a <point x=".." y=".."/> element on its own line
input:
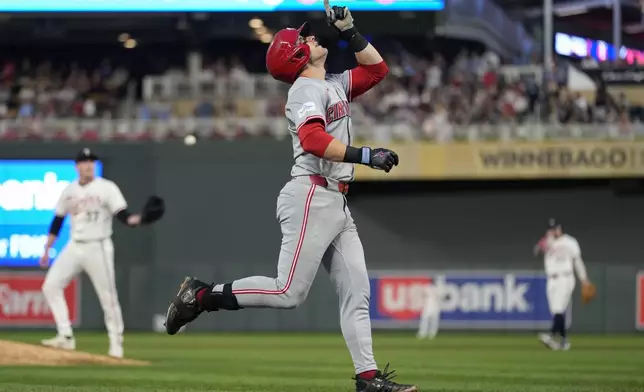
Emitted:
<point x="29" y="191"/>
<point x="212" y="5"/>
<point x="470" y="300"/>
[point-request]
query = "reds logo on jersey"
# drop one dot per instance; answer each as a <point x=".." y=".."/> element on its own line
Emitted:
<point x="337" y="111"/>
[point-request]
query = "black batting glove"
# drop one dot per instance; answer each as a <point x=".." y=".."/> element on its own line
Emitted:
<point x="381" y="158"/>
<point x="375" y="158"/>
<point x="340" y="19"/>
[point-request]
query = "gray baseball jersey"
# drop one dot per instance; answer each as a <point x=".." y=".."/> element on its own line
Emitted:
<point x="327" y="100"/>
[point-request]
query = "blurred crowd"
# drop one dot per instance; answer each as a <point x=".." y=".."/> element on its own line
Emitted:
<point x="436" y="99"/>
<point x="425" y="96"/>
<point x="48" y="90"/>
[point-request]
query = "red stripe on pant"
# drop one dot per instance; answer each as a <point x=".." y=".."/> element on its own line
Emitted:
<point x="307" y="207"/>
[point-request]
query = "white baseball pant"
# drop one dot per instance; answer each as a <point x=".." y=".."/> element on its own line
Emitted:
<point x="430" y="315"/>
<point x="559" y="289"/>
<point x="96" y="258"/>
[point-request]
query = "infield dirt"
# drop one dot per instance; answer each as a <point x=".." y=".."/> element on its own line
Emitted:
<point x="15" y="353"/>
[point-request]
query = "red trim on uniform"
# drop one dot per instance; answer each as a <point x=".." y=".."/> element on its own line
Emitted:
<point x="363" y="77"/>
<point x="308" y="119"/>
<point x="314" y="139"/>
<point x="350" y="85"/>
<point x="200" y="294"/>
<point x="368" y="375"/>
<point x="298" y="248"/>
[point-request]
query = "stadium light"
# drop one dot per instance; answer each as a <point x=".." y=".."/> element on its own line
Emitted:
<point x="130" y="43"/>
<point x="124" y="37"/>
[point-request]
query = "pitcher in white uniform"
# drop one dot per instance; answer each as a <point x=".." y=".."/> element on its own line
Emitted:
<point x="562" y="259"/>
<point x="91" y="202"/>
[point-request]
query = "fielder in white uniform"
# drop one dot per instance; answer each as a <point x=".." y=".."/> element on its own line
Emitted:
<point x="91" y="202"/>
<point x="431" y="313"/>
<point x="562" y="258"/>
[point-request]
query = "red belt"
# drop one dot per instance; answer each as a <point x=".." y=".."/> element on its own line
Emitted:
<point x="343" y="187"/>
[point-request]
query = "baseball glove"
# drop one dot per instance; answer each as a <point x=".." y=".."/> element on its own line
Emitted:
<point x="153" y="210"/>
<point x="588" y="292"/>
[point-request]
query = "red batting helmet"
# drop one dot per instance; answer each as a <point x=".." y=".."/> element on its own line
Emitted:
<point x="286" y="57"/>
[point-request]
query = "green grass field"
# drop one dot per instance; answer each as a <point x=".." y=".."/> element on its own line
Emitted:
<point x="316" y="363"/>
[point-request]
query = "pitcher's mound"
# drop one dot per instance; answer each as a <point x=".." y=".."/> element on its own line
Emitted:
<point x="15" y="353"/>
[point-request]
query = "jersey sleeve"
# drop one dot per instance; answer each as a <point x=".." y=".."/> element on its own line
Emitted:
<point x="343" y="80"/>
<point x="575" y="249"/>
<point x="61" y="205"/>
<point x="360" y="79"/>
<point x="116" y="202"/>
<point x="305" y="104"/>
<point x="578" y="263"/>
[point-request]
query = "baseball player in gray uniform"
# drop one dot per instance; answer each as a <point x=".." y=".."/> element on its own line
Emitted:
<point x="316" y="223"/>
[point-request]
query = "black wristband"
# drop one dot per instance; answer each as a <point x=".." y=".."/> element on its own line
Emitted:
<point x="346" y="35"/>
<point x="56" y="225"/>
<point x="358" y="43"/>
<point x="122" y="216"/>
<point x="357" y="155"/>
<point x="353" y="155"/>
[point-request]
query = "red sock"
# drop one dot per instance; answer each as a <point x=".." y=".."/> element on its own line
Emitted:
<point x="368" y="375"/>
<point x="200" y="295"/>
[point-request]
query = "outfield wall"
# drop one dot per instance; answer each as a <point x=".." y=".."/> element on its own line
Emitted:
<point x="220" y="225"/>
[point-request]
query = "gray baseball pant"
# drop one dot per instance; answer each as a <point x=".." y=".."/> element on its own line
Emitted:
<point x="317" y="227"/>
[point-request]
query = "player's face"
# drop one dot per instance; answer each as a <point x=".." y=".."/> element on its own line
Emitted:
<point x="558" y="231"/>
<point x="318" y="52"/>
<point x="85" y="170"/>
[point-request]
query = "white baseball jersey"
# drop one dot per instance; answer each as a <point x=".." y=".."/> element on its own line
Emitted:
<point x="563" y="256"/>
<point x="327" y="100"/>
<point x="433" y="297"/>
<point x="91" y="208"/>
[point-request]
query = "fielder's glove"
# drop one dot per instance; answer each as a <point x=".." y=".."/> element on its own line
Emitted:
<point x="153" y="210"/>
<point x="381" y="158"/>
<point x="588" y="292"/>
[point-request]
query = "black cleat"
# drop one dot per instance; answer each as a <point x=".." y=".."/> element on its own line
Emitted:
<point x="184" y="307"/>
<point x="382" y="383"/>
